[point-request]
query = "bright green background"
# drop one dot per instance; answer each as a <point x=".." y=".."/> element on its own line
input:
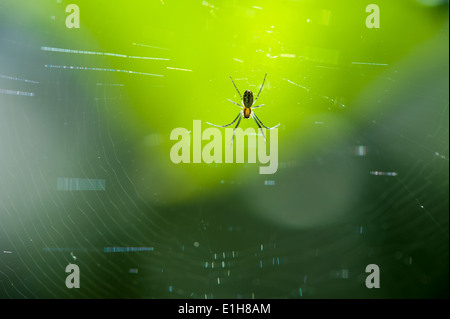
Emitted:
<point x="396" y="105"/>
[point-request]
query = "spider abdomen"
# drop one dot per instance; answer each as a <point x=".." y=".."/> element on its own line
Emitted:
<point x="248" y="98"/>
<point x="247" y="111"/>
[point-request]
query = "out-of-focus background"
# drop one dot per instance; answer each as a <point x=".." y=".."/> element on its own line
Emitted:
<point x="86" y="177"/>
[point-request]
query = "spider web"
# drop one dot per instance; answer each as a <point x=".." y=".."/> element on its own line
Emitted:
<point x="69" y="194"/>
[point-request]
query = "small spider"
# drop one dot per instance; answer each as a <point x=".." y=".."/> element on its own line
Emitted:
<point x="247" y="111"/>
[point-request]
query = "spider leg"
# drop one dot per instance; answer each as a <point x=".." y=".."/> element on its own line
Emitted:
<point x="255" y="107"/>
<point x="236" y="88"/>
<point x="257" y="123"/>
<point x="269" y="128"/>
<point x="227" y="124"/>
<point x="261" y="88"/>
<point x="240" y="118"/>
<point x="235" y="103"/>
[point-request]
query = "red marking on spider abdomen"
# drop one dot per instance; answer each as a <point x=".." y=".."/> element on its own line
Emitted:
<point x="247" y="112"/>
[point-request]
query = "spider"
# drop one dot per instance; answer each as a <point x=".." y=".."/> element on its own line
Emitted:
<point x="247" y="111"/>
